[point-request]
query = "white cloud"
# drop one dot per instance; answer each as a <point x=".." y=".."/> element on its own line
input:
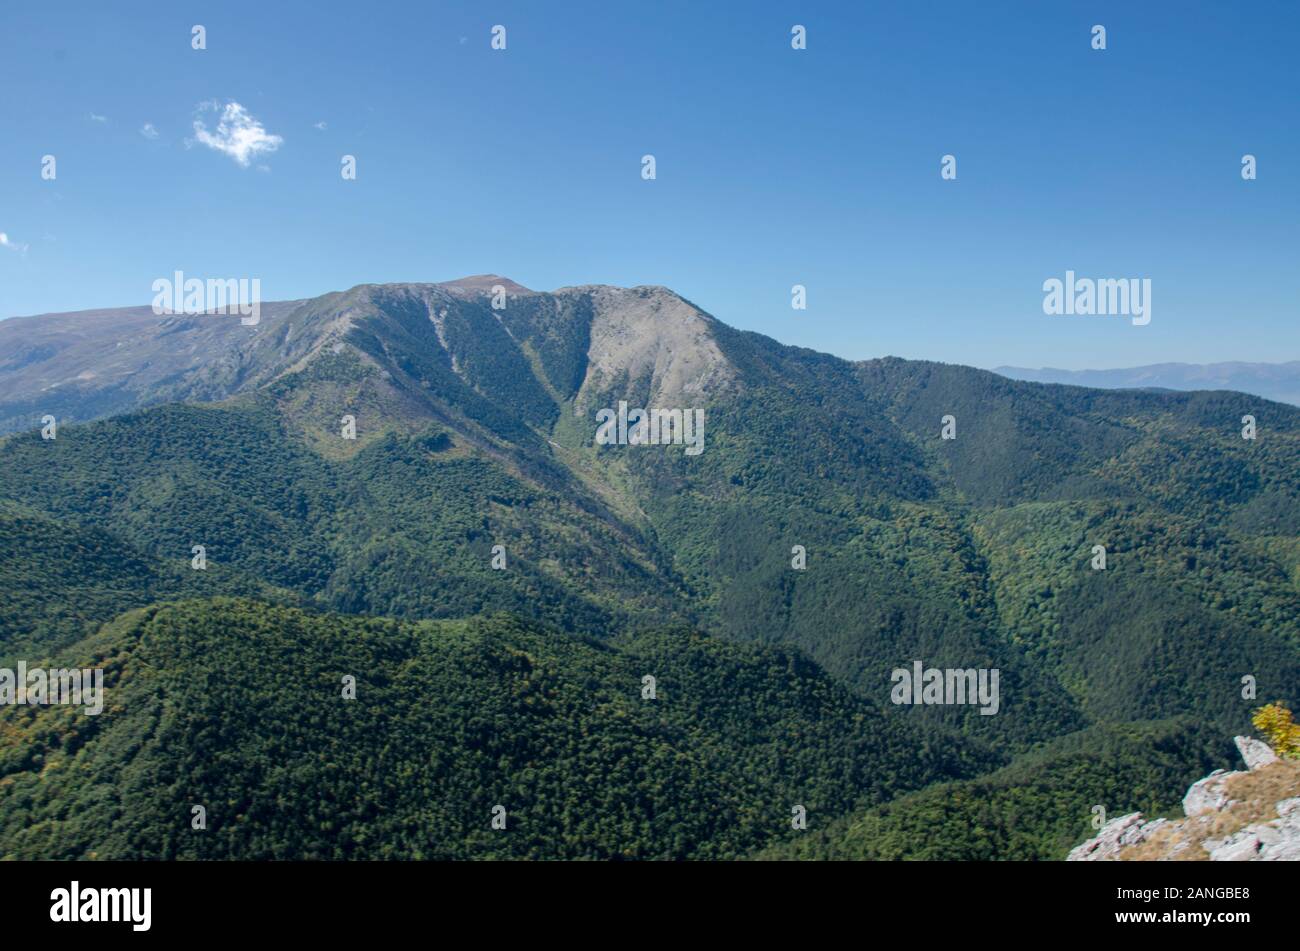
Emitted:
<point x="148" y="131"/>
<point x="238" y="134"/>
<point x="5" y="242"/>
<point x="321" y="125"/>
<point x="100" y="119"/>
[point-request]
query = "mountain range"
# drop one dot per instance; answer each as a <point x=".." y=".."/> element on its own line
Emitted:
<point x="1274" y="381"/>
<point x="403" y="484"/>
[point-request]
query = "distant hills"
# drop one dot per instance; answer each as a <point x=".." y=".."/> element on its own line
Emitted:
<point x="404" y="480"/>
<point x="1274" y="381"/>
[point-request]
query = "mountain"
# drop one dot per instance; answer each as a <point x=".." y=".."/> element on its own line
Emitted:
<point x="428" y="453"/>
<point x="99" y="363"/>
<point x="91" y="364"/>
<point x="1274" y="381"/>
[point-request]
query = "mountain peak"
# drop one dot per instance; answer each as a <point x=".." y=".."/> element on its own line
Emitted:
<point x="483" y="284"/>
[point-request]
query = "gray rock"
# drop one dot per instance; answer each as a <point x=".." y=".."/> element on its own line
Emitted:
<point x="1286" y="846"/>
<point x="1106" y="844"/>
<point x="1254" y="752"/>
<point x="1207" y="795"/>
<point x="1288" y="807"/>
<point x="1285" y="850"/>
<point x="1243" y="846"/>
<point x="1140" y="833"/>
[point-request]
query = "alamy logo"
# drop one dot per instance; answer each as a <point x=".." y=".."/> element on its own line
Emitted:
<point x="76" y="687"/>
<point x="651" y="427"/>
<point x="103" y="904"/>
<point x="1107" y="297"/>
<point x="952" y="685"/>
<point x="213" y="296"/>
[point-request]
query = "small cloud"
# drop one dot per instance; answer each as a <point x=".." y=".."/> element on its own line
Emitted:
<point x="464" y="40"/>
<point x="5" y="242"/>
<point x="148" y="131"/>
<point x="97" y="118"/>
<point x="238" y="134"/>
<point x="320" y="125"/>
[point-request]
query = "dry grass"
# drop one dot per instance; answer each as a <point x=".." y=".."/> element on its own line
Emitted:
<point x="1257" y="794"/>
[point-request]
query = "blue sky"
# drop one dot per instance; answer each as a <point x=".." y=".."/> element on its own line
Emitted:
<point x="774" y="166"/>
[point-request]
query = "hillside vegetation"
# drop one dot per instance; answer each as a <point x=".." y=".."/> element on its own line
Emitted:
<point x="238" y="706"/>
<point x="826" y="522"/>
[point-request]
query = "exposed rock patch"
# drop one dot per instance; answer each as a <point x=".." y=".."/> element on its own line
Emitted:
<point x="1241" y="816"/>
<point x="649" y="334"/>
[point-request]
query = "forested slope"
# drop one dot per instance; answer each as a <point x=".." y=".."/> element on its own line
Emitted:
<point x="239" y="707"/>
<point x="400" y="454"/>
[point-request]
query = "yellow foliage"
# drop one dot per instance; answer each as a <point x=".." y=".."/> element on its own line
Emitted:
<point x="1274" y="721"/>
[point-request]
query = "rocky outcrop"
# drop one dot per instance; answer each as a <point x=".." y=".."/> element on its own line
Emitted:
<point x="1255" y="753"/>
<point x="1126" y="830"/>
<point x="1278" y="840"/>
<point x="1246" y="815"/>
<point x="1208" y="794"/>
<point x="650" y="337"/>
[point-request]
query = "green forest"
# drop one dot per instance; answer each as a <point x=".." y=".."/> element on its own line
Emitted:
<point x="500" y="587"/>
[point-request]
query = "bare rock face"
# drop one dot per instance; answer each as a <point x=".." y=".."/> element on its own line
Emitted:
<point x="1241" y="816"/>
<point x="650" y="334"/>
<point x="1208" y="794"/>
<point x="1255" y="753"/>
<point x="1114" y="835"/>
<point x="1243" y="846"/>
